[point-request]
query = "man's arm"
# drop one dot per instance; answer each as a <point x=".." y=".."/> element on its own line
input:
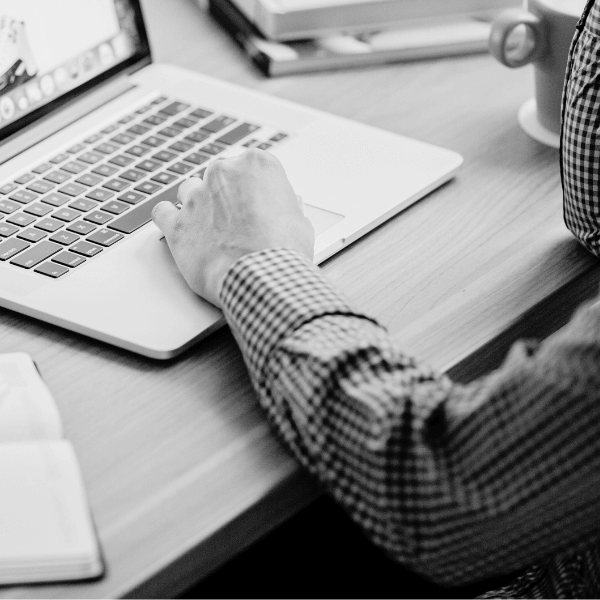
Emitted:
<point x="459" y="482"/>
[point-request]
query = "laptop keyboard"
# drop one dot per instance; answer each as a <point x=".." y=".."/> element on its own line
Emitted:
<point x="58" y="215"/>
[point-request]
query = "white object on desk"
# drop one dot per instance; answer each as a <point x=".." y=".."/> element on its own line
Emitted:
<point x="46" y="530"/>
<point x="528" y="121"/>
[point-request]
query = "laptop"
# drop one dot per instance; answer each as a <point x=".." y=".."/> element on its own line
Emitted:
<point x="93" y="135"/>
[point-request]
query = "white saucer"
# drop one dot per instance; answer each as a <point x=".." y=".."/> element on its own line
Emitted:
<point x="531" y="126"/>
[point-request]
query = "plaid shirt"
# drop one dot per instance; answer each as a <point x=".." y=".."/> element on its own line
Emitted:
<point x="459" y="482"/>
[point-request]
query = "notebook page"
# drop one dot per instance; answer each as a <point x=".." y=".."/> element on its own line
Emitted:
<point x="44" y="514"/>
<point x="27" y="409"/>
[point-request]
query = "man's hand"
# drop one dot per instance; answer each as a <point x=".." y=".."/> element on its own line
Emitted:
<point x="245" y="204"/>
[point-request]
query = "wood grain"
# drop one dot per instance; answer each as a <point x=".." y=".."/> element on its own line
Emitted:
<point x="181" y="469"/>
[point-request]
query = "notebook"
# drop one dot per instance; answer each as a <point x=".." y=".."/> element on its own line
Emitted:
<point x="345" y="50"/>
<point x="93" y="136"/>
<point x="46" y="529"/>
<point x="301" y="19"/>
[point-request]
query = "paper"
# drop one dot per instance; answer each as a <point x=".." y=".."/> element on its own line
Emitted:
<point x="27" y="409"/>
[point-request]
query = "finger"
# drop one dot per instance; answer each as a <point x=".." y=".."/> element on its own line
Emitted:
<point x="189" y="187"/>
<point x="163" y="216"/>
<point x="300" y="202"/>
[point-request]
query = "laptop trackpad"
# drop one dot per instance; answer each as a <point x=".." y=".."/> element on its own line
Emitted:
<point x="321" y="219"/>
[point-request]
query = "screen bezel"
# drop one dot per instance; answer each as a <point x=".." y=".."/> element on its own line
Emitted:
<point x="140" y="59"/>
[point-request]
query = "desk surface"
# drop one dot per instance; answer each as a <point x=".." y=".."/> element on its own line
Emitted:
<point x="181" y="469"/>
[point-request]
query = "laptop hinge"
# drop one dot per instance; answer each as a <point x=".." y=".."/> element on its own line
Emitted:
<point x="68" y="114"/>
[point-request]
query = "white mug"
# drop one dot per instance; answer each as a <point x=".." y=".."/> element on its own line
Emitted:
<point x="551" y="27"/>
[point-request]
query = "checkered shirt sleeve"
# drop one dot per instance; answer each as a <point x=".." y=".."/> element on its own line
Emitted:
<point x="458" y="482"/>
<point x="580" y="136"/>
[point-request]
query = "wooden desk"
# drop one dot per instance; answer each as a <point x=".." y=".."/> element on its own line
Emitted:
<point x="181" y="469"/>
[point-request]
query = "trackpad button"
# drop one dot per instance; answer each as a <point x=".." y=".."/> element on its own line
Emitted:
<point x="321" y="219"/>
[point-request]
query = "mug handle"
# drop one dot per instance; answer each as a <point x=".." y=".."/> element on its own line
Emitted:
<point x="504" y="25"/>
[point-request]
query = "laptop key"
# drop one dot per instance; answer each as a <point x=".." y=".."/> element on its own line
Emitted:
<point x="40" y="187"/>
<point x="164" y="156"/>
<point x="212" y="149"/>
<point x="100" y="218"/>
<point x="23" y="197"/>
<point x="57" y="176"/>
<point x="86" y="249"/>
<point x="136" y="151"/>
<point x="105" y="170"/>
<point x="50" y="225"/>
<point x="237" y="133"/>
<point x="31" y="235"/>
<point x="89" y="179"/>
<point x="74" y="167"/>
<point x="39" y="210"/>
<point x="91" y="158"/>
<point x="170" y="132"/>
<point x="149" y="165"/>
<point x="25" y="178"/>
<point x="36" y="254"/>
<point x="110" y="128"/>
<point x="148" y="187"/>
<point x="153" y="141"/>
<point x="154" y="120"/>
<point x="196" y="137"/>
<point x="104" y="237"/>
<point x="55" y="199"/>
<point x="200" y="113"/>
<point x="180" y="168"/>
<point x="142" y="214"/>
<point x="164" y="178"/>
<point x="84" y="205"/>
<point x="21" y="219"/>
<point x="93" y="138"/>
<point x="196" y="158"/>
<point x="218" y="124"/>
<point x="278" y="137"/>
<point x="132" y="175"/>
<point x="174" y="108"/>
<point x="116" y="185"/>
<point x="80" y="227"/>
<point x="68" y="259"/>
<point x="138" y="130"/>
<point x="10" y="248"/>
<point x="7" y="188"/>
<point x="72" y="189"/>
<point x="7" y="230"/>
<point x="122" y="138"/>
<point x="132" y="197"/>
<point x="66" y="214"/>
<point x="8" y="206"/>
<point x="106" y="148"/>
<point x="185" y="123"/>
<point x="181" y="146"/>
<point x="114" y="207"/>
<point x="59" y="158"/>
<point x="51" y="270"/>
<point x="65" y="238"/>
<point x="42" y="168"/>
<point x="76" y="148"/>
<point x="99" y="195"/>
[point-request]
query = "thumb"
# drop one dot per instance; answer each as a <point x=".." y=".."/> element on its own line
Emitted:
<point x="163" y="216"/>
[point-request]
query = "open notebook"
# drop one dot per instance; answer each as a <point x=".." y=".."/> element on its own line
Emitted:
<point x="46" y="528"/>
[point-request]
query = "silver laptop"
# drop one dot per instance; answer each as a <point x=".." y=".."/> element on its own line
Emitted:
<point x="92" y="136"/>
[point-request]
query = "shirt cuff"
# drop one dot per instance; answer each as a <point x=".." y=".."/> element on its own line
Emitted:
<point x="267" y="295"/>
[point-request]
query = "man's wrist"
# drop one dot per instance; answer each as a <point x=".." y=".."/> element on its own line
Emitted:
<point x="266" y="295"/>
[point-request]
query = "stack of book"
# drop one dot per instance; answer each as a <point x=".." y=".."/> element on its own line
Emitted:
<point x="292" y="36"/>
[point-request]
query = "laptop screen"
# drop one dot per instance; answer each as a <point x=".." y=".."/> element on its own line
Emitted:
<point x="50" y="50"/>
